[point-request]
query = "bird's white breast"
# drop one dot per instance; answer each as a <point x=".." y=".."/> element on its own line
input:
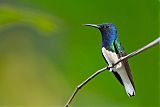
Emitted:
<point x="111" y="58"/>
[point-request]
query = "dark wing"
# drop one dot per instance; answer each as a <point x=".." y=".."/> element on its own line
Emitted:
<point x="121" y="52"/>
<point x="127" y="67"/>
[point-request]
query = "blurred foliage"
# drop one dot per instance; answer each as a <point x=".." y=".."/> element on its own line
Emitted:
<point x="11" y="15"/>
<point x="37" y="70"/>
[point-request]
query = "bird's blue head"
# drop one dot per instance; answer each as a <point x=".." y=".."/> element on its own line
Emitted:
<point x="108" y="31"/>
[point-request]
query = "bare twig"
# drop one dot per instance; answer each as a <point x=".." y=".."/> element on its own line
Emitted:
<point x="108" y="67"/>
<point x="138" y="51"/>
<point x="83" y="83"/>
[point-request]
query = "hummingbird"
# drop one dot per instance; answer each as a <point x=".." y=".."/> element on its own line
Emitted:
<point x="112" y="51"/>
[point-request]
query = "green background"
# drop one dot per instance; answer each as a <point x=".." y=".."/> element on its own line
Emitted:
<point x="45" y="52"/>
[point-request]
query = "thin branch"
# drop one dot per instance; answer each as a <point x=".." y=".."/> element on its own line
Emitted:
<point x="108" y="67"/>
<point x="138" y="51"/>
<point x="83" y="83"/>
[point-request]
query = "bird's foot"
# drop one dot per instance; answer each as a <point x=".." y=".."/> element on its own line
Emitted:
<point x="119" y="65"/>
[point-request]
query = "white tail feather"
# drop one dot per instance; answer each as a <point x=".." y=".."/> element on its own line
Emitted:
<point x="126" y="81"/>
<point x="111" y="57"/>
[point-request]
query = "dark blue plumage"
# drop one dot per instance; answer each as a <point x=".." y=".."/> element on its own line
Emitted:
<point x="109" y="34"/>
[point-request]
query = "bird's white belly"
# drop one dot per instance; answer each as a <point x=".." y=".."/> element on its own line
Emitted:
<point x="111" y="58"/>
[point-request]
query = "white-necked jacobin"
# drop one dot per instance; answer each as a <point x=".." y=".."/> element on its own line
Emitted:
<point x="112" y="51"/>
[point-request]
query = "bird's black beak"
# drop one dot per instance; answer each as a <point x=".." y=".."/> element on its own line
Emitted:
<point x="92" y="25"/>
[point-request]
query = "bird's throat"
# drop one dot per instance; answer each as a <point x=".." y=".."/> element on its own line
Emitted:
<point x="107" y="40"/>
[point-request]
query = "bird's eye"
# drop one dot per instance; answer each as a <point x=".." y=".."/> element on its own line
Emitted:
<point x="107" y="26"/>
